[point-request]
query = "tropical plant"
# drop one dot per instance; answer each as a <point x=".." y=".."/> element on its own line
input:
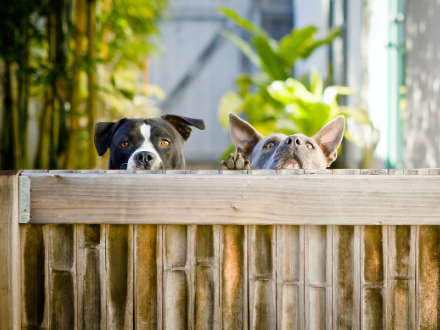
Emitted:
<point x="271" y="99"/>
<point x="50" y="54"/>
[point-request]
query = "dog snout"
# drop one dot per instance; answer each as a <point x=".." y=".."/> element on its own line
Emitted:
<point x="145" y="157"/>
<point x="294" y="141"/>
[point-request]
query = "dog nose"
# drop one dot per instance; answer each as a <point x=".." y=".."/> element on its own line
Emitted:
<point x="145" y="157"/>
<point x="294" y="140"/>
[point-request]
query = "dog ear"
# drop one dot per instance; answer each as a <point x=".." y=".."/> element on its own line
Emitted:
<point x="181" y="124"/>
<point x="104" y="133"/>
<point x="330" y="137"/>
<point x="244" y="136"/>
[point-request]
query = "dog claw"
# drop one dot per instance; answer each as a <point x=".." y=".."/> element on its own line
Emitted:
<point x="230" y="163"/>
<point x="239" y="163"/>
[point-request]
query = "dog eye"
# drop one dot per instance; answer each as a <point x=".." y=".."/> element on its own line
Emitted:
<point x="309" y="146"/>
<point x="165" y="143"/>
<point x="270" y="145"/>
<point x="124" y="144"/>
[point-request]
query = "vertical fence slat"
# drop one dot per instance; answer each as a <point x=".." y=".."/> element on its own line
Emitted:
<point x="346" y="277"/>
<point x="9" y="252"/>
<point x="206" y="277"/>
<point x="91" y="276"/>
<point x="401" y="279"/>
<point x="428" y="277"/>
<point x="119" y="277"/>
<point x="176" y="277"/>
<point x="290" y="277"/>
<point x="318" y="277"/>
<point x="34" y="302"/>
<point x="262" y="282"/>
<point x="233" y="277"/>
<point x="148" y="277"/>
<point x="62" y="276"/>
<point x="374" y="274"/>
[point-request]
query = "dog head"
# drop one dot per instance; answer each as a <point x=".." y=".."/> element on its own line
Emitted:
<point x="145" y="144"/>
<point x="279" y="151"/>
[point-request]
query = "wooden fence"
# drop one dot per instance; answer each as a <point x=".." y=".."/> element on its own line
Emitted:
<point x="289" y="250"/>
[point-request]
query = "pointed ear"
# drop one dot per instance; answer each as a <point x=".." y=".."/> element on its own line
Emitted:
<point x="104" y="133"/>
<point x="181" y="124"/>
<point x="244" y="136"/>
<point x="330" y="137"/>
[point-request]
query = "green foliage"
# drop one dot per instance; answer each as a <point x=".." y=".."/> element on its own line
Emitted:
<point x="271" y="99"/>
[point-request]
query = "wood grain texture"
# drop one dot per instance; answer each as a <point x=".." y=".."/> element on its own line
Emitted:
<point x="35" y="304"/>
<point x="290" y="277"/>
<point x="176" y="277"/>
<point x="401" y="277"/>
<point x="233" y="277"/>
<point x="262" y="277"/>
<point x="119" y="276"/>
<point x="234" y="199"/>
<point x="62" y="276"/>
<point x="318" y="277"/>
<point x="148" y="277"/>
<point x="346" y="277"/>
<point x="205" y="272"/>
<point x="374" y="275"/>
<point x="428" y="277"/>
<point x="91" y="276"/>
<point x="9" y="252"/>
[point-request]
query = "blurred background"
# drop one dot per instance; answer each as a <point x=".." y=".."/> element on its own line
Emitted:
<point x="284" y="65"/>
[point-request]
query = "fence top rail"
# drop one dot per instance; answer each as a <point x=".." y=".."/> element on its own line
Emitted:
<point x="329" y="197"/>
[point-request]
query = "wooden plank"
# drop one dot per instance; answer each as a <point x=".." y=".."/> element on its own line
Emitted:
<point x="91" y="276"/>
<point x="318" y="277"/>
<point x="401" y="279"/>
<point x="428" y="277"/>
<point x="290" y="277"/>
<point x="262" y="277"/>
<point x="233" y="278"/>
<point x="62" y="276"/>
<point x="119" y="276"/>
<point x="35" y="303"/>
<point x="148" y="277"/>
<point x="374" y="274"/>
<point x="235" y="199"/>
<point x="9" y="252"/>
<point x="176" y="277"/>
<point x="205" y="273"/>
<point x="346" y="277"/>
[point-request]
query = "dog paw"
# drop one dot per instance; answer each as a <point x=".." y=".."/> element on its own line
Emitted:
<point x="239" y="163"/>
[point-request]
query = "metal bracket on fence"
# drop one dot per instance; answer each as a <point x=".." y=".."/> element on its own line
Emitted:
<point x="24" y="198"/>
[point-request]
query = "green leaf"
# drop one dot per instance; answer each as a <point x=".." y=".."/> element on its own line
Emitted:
<point x="271" y="62"/>
<point x="316" y="83"/>
<point x="244" y="46"/>
<point x="243" y="22"/>
<point x="293" y="45"/>
<point x="128" y="94"/>
<point x="332" y="92"/>
<point x="230" y="102"/>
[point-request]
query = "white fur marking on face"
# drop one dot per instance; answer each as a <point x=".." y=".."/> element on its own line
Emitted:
<point x="145" y="146"/>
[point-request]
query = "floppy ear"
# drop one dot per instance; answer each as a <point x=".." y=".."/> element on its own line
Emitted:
<point x="181" y="124"/>
<point x="244" y="136"/>
<point x="104" y="133"/>
<point x="330" y="137"/>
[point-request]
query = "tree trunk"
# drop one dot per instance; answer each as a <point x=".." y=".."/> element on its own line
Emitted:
<point x="91" y="80"/>
<point x="72" y="147"/>
<point x="10" y="107"/>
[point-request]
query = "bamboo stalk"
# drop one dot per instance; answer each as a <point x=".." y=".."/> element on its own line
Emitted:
<point x="91" y="80"/>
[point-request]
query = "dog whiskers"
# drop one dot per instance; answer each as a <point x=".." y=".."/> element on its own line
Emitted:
<point x="124" y="166"/>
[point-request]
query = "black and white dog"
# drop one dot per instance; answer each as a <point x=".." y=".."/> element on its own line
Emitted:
<point x="145" y="144"/>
